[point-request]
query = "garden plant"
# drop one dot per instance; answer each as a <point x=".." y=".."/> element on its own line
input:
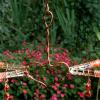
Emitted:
<point x="42" y="44"/>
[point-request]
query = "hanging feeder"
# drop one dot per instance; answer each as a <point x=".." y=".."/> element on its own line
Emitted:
<point x="86" y="69"/>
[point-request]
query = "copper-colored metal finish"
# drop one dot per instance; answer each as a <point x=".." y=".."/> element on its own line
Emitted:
<point x="95" y="63"/>
<point x="86" y="69"/>
<point x="87" y="73"/>
<point x="47" y="13"/>
<point x="12" y="66"/>
<point x="11" y="74"/>
<point x="1" y="64"/>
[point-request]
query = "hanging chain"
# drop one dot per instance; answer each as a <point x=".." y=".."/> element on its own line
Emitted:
<point x="47" y="25"/>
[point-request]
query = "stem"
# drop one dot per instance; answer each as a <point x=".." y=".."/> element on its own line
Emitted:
<point x="98" y="87"/>
<point x="36" y="80"/>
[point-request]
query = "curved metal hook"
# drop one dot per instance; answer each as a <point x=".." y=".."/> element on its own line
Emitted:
<point x="51" y="14"/>
<point x="48" y="12"/>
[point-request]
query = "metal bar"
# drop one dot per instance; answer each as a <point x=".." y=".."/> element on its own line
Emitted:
<point x="11" y="74"/>
<point x="12" y="66"/>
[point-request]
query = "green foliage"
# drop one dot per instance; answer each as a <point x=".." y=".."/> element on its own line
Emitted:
<point x="77" y="20"/>
<point x="76" y="26"/>
<point x="18" y="22"/>
<point x="74" y="22"/>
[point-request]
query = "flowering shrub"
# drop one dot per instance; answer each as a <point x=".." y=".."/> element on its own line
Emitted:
<point x="61" y="85"/>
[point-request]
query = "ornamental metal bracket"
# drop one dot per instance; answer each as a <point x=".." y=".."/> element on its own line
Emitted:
<point x="86" y="69"/>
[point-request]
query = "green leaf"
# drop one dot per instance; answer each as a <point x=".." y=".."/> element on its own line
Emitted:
<point x="98" y="35"/>
<point x="96" y="30"/>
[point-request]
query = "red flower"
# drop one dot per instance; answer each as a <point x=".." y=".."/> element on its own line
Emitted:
<point x="8" y="54"/>
<point x="24" y="63"/>
<point x="13" y="81"/>
<point x="37" y="91"/>
<point x="42" y="97"/>
<point x="44" y="78"/>
<point x="65" y="85"/>
<point x="24" y="92"/>
<point x="24" y="84"/>
<point x="61" y="57"/>
<point x="56" y="79"/>
<point x="81" y="94"/>
<point x="68" y="76"/>
<point x="5" y="52"/>
<point x="53" y="97"/>
<point x="36" y="55"/>
<point x="29" y="56"/>
<point x="47" y="71"/>
<point x="57" y="84"/>
<point x="46" y="49"/>
<point x="44" y="62"/>
<point x="71" y="86"/>
<point x="58" y="92"/>
<point x="11" y="97"/>
<point x="59" y="71"/>
<point x="54" y="87"/>
<point x="62" y="95"/>
<point x="27" y="51"/>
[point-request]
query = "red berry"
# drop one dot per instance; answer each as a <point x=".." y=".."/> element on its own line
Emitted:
<point x="6" y="96"/>
<point x="88" y="94"/>
<point x="6" y="87"/>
